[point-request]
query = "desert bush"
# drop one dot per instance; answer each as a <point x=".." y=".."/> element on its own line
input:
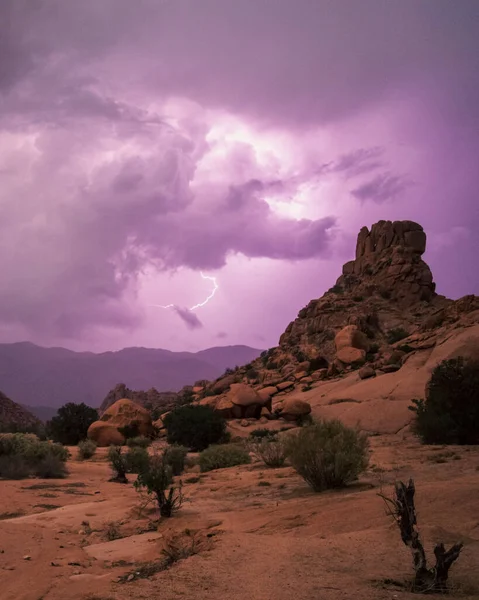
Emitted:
<point x="24" y="455"/>
<point x="396" y="335"/>
<point x="51" y="467"/>
<point x="137" y="460"/>
<point x="118" y="464"/>
<point x="259" y="434"/>
<point x="86" y="449"/>
<point x="71" y="423"/>
<point x="130" y="431"/>
<point x="139" y="441"/>
<point x="271" y="451"/>
<point x="328" y="454"/>
<point x="450" y="413"/>
<point x="220" y="457"/>
<point x="175" y="457"/>
<point x="157" y="480"/>
<point x="195" y="427"/>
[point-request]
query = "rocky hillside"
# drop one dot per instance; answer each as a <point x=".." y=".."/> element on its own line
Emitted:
<point x="14" y="417"/>
<point x="367" y="347"/>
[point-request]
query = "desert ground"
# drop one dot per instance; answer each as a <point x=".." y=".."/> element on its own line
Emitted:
<point x="258" y="533"/>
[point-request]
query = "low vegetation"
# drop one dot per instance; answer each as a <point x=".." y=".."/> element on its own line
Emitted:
<point x="139" y="441"/>
<point x="220" y="457"/>
<point x="450" y="412"/>
<point x="137" y="460"/>
<point x="118" y="463"/>
<point x="24" y="455"/>
<point x="86" y="449"/>
<point x="328" y="454"/>
<point x="175" y="457"/>
<point x="271" y="450"/>
<point x="157" y="479"/>
<point x="195" y="427"/>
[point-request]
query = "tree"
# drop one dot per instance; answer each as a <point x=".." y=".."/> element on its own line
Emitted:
<point x="71" y="423"/>
<point x="195" y="427"/>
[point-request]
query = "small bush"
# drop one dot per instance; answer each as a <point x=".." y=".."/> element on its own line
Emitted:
<point x="195" y="427"/>
<point x="24" y="455"/>
<point x="450" y="413"/>
<point x="220" y="457"/>
<point x="396" y="335"/>
<point x="118" y="463"/>
<point x="271" y="451"/>
<point x="50" y="467"/>
<point x="157" y="479"/>
<point x="137" y="460"/>
<point x="328" y="454"/>
<point x="175" y="457"/>
<point x="258" y="434"/>
<point x="140" y="441"/>
<point x="86" y="449"/>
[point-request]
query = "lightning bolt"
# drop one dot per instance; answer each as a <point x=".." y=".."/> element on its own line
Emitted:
<point x="213" y="292"/>
<point x="200" y="304"/>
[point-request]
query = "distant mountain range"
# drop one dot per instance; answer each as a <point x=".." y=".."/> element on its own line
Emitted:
<point x="42" y="379"/>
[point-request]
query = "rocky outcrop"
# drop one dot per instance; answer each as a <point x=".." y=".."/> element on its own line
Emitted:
<point x="14" y="417"/>
<point x="122" y="413"/>
<point x="388" y="258"/>
<point x="387" y="286"/>
<point x="151" y="399"/>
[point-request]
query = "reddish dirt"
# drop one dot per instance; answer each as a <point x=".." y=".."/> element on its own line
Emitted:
<point x="262" y="533"/>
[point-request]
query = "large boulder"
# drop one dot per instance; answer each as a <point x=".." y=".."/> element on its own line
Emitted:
<point x="294" y="409"/>
<point x="105" y="434"/>
<point x="246" y="401"/>
<point x="122" y="413"/>
<point x="351" y="356"/>
<point x="351" y="337"/>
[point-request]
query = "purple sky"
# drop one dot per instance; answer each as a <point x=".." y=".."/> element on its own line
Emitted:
<point x="145" y="142"/>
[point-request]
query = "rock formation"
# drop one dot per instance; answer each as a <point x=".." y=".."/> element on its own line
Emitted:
<point x="122" y="413"/>
<point x="151" y="399"/>
<point x="367" y="347"/>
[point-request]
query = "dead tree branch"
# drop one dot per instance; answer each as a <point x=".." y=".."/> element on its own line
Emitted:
<point x="401" y="507"/>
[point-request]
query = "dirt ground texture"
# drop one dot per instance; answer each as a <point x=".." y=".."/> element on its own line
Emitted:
<point x="259" y="533"/>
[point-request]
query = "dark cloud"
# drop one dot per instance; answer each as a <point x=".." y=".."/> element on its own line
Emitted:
<point x="221" y="335"/>
<point x="382" y="188"/>
<point x="188" y="317"/>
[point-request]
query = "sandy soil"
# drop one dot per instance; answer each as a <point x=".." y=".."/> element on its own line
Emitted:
<point x="260" y="533"/>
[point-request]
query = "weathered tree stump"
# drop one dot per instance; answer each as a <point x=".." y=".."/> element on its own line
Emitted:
<point x="402" y="508"/>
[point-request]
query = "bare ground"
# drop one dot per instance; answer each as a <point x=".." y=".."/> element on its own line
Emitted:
<point x="259" y="533"/>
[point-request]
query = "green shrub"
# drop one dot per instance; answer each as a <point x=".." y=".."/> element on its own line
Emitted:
<point x="157" y="479"/>
<point x="24" y="455"/>
<point x="271" y="451"/>
<point x="86" y="449"/>
<point x="220" y="457"/>
<point x="137" y="460"/>
<point x="450" y="413"/>
<point x="71" y="423"/>
<point x="131" y="430"/>
<point x="328" y="454"/>
<point x="396" y="335"/>
<point x="118" y="463"/>
<point x="50" y="467"/>
<point x="258" y="434"/>
<point x="195" y="427"/>
<point x="175" y="457"/>
<point x="139" y="441"/>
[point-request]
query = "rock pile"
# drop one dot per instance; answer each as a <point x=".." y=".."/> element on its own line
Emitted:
<point x="122" y="413"/>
